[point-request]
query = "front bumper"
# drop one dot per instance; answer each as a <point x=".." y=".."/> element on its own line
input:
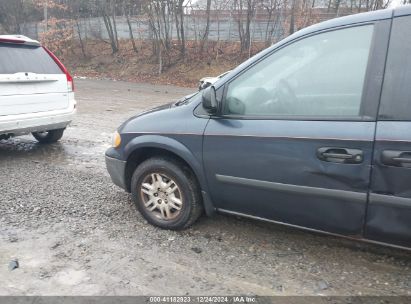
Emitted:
<point x="117" y="170"/>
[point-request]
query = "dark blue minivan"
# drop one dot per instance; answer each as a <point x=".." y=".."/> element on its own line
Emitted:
<point x="314" y="132"/>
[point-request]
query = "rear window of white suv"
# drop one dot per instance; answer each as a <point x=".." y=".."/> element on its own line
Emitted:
<point x="16" y="58"/>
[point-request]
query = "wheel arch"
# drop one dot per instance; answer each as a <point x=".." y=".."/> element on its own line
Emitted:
<point x="147" y="146"/>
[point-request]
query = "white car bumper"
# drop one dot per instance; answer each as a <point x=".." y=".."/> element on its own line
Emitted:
<point x="36" y="122"/>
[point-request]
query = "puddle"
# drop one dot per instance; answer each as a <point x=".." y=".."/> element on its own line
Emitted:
<point x="69" y="152"/>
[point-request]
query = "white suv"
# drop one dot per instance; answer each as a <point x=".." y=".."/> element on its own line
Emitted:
<point x="36" y="91"/>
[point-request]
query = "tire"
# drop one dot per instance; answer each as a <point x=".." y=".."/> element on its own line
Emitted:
<point x="160" y="172"/>
<point x="49" y="137"/>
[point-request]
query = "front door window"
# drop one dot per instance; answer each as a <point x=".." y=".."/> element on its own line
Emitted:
<point x="321" y="75"/>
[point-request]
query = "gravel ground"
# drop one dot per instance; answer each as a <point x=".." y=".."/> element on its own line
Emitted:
<point x="74" y="233"/>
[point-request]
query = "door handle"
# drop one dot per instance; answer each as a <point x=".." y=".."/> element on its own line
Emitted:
<point x="337" y="155"/>
<point x="403" y="160"/>
<point x="340" y="155"/>
<point x="396" y="158"/>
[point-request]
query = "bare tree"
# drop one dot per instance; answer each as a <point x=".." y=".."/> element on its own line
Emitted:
<point x="13" y="14"/>
<point x="204" y="39"/>
<point x="179" y="16"/>
<point x="107" y="9"/>
<point x="167" y="17"/>
<point x="127" y="8"/>
<point x="160" y="24"/>
<point x="76" y="7"/>
<point x="293" y="15"/>
<point x="244" y="9"/>
<point x="272" y="9"/>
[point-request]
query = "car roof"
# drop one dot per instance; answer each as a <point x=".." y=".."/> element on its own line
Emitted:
<point x="18" y="39"/>
<point x="329" y="24"/>
<point x="402" y="10"/>
<point x="346" y="20"/>
<point x="357" y="18"/>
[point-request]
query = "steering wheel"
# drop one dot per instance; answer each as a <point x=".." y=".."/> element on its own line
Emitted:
<point x="285" y="95"/>
<point x="235" y="106"/>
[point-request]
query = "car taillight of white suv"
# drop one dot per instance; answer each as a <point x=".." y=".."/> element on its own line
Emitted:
<point x="36" y="91"/>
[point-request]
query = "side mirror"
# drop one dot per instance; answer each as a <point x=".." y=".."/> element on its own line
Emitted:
<point x="210" y="100"/>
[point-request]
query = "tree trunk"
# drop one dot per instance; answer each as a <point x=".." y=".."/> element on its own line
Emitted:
<point x="238" y="5"/>
<point x="250" y="13"/>
<point x="329" y="6"/>
<point x="177" y="23"/>
<point x="267" y="29"/>
<point x="337" y="7"/>
<point x="83" y="51"/>
<point x="182" y="32"/>
<point x="207" y="29"/>
<point x="107" y="23"/>
<point x="292" y="19"/>
<point x="130" y="29"/>
<point x="115" y="27"/>
<point x="160" y="61"/>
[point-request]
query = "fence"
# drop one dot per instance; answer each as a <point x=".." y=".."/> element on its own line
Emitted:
<point x="223" y="28"/>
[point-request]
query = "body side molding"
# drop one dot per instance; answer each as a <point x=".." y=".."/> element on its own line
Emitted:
<point x="389" y="200"/>
<point x="295" y="189"/>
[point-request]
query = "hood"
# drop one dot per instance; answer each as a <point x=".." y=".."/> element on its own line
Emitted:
<point x="183" y="101"/>
<point x="156" y="109"/>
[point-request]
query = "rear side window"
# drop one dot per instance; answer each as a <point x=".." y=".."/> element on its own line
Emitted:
<point x="30" y="59"/>
<point x="396" y="94"/>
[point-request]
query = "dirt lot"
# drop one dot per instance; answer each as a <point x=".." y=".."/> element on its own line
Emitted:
<point x="74" y="233"/>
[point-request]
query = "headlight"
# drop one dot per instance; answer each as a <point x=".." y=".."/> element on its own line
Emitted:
<point x="116" y="140"/>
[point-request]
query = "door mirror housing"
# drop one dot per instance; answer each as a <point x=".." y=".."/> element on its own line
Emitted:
<point x="210" y="103"/>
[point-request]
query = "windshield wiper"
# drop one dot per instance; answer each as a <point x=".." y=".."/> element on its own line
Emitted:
<point x="184" y="100"/>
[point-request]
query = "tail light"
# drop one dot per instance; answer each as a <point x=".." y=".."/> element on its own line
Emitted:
<point x="70" y="80"/>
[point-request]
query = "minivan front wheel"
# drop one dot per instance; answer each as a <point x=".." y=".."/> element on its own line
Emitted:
<point x="49" y="137"/>
<point x="166" y="193"/>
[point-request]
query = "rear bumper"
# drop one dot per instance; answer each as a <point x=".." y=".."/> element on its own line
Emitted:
<point x="117" y="170"/>
<point x="36" y="122"/>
